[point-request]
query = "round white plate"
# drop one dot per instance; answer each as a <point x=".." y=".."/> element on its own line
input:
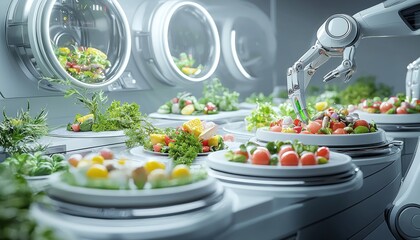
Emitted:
<point x="140" y="151"/>
<point x="338" y="163"/>
<point x="265" y="135"/>
<point x="220" y="117"/>
<point x="62" y="132"/>
<point x="129" y="198"/>
<point x="245" y="105"/>
<point x="390" y="118"/>
<point x="237" y="128"/>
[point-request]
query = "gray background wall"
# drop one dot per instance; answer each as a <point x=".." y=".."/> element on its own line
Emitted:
<point x="296" y="25"/>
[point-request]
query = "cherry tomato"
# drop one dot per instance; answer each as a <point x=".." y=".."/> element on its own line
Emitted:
<point x="276" y="128"/>
<point x="308" y="159"/>
<point x="385" y="106"/>
<point x="244" y="153"/>
<point x="205" y="142"/>
<point x="360" y="123"/>
<point x="338" y="125"/>
<point x="297" y="129"/>
<point x="175" y="100"/>
<point x="340" y="131"/>
<point x="323" y="152"/>
<point x="296" y="122"/>
<point x="284" y="149"/>
<point x="314" y="127"/>
<point x="187" y="102"/>
<point x="106" y="153"/>
<point x="75" y="127"/>
<point x="402" y="110"/>
<point x="168" y="140"/>
<point x="290" y="158"/>
<point x="75" y="159"/>
<point x="206" y="149"/>
<point x="157" y="148"/>
<point x="261" y="156"/>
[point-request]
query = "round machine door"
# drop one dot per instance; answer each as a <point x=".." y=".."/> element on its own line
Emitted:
<point x="87" y="42"/>
<point x="177" y="40"/>
<point x="247" y="39"/>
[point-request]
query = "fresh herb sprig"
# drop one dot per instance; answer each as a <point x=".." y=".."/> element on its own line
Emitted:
<point x="185" y="148"/>
<point x="20" y="134"/>
<point x="139" y="134"/>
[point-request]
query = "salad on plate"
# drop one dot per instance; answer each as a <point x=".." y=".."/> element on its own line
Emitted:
<point x="215" y="98"/>
<point x="398" y="104"/>
<point x="104" y="170"/>
<point x="328" y="121"/>
<point x="280" y="153"/>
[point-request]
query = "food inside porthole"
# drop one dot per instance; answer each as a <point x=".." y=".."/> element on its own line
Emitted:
<point x="86" y="64"/>
<point x="186" y="63"/>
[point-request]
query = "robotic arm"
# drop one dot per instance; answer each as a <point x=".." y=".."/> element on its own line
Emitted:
<point x="338" y="37"/>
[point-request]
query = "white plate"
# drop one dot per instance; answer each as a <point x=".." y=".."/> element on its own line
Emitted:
<point x="62" y="132"/>
<point x="140" y="151"/>
<point x="265" y="135"/>
<point x="245" y="105"/>
<point x="129" y="198"/>
<point x="237" y="128"/>
<point x="390" y="118"/>
<point x="221" y="117"/>
<point x="338" y="163"/>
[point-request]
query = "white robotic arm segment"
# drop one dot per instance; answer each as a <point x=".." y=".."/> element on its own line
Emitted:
<point x="412" y="80"/>
<point x="335" y="39"/>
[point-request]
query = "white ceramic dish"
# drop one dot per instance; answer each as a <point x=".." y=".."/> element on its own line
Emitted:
<point x="140" y="152"/>
<point x="338" y="163"/>
<point x="129" y="198"/>
<point x="220" y="117"/>
<point x="62" y="132"/>
<point x="390" y="118"/>
<point x="265" y="135"/>
<point x="245" y="105"/>
<point x="237" y="128"/>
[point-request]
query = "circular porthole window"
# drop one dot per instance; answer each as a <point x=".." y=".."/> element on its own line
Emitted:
<point x="85" y="41"/>
<point x="247" y="39"/>
<point x="178" y="40"/>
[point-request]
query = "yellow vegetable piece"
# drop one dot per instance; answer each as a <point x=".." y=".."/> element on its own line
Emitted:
<point x="84" y="118"/>
<point x="122" y="161"/>
<point x="189" y="70"/>
<point x="98" y="159"/>
<point x="288" y="130"/>
<point x="188" y="110"/>
<point x="181" y="171"/>
<point x="321" y="106"/>
<point x="152" y="165"/>
<point x="194" y="126"/>
<point x="214" y="141"/>
<point x="157" y="138"/>
<point x="97" y="171"/>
